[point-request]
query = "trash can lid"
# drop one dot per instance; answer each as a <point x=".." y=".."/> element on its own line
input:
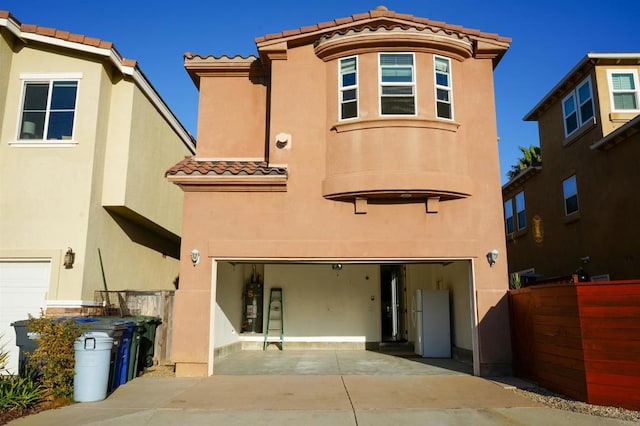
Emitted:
<point x="83" y="320"/>
<point x="100" y="341"/>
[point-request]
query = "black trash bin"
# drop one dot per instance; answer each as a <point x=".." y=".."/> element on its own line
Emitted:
<point x="142" y="344"/>
<point x="26" y="341"/>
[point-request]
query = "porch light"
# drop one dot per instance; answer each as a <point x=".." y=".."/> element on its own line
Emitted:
<point x="195" y="256"/>
<point x="492" y="257"/>
<point x="69" y="258"/>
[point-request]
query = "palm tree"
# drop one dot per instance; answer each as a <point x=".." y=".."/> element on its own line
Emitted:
<point x="530" y="158"/>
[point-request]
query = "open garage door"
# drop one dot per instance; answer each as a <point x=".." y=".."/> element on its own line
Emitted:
<point x="338" y="305"/>
<point x="23" y="291"/>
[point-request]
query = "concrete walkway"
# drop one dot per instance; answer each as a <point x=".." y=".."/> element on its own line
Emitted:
<point x="309" y="398"/>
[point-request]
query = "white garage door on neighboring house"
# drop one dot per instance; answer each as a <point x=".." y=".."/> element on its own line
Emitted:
<point x="23" y="291"/>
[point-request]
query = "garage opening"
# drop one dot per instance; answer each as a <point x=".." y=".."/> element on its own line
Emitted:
<point x="340" y="304"/>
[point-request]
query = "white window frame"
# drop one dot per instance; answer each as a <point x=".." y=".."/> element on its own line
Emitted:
<point x="635" y="91"/>
<point x="566" y="196"/>
<point x="412" y="84"/>
<point x="508" y="214"/>
<point x="520" y="224"/>
<point x="342" y="89"/>
<point x="578" y="103"/>
<point x="448" y="89"/>
<point x="27" y="78"/>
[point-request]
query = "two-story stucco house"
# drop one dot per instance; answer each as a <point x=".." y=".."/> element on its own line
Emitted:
<point x="84" y="143"/>
<point x="349" y="164"/>
<point x="577" y="210"/>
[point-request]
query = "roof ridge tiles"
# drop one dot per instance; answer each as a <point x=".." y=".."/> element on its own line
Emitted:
<point x="223" y="167"/>
<point x="190" y="55"/>
<point x="287" y="33"/>
<point x="66" y="36"/>
<point x="379" y="12"/>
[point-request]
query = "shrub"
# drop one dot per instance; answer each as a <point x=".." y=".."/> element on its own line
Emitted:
<point x="55" y="356"/>
<point x="17" y="392"/>
<point x="20" y="392"/>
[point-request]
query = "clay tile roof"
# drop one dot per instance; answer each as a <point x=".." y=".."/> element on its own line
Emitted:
<point x="379" y="12"/>
<point x="67" y="36"/>
<point x="191" y="166"/>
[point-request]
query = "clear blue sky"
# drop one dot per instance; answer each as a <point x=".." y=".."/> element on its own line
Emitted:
<point x="549" y="38"/>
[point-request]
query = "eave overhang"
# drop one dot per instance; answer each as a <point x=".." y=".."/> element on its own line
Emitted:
<point x="201" y="175"/>
<point x="618" y="136"/>
<point x="198" y="66"/>
<point x="577" y="74"/>
<point x="521" y="178"/>
<point x="481" y="44"/>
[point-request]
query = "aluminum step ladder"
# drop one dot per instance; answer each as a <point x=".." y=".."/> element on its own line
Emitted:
<point x="275" y="319"/>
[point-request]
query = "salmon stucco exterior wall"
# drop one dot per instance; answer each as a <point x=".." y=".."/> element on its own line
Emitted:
<point x="283" y="177"/>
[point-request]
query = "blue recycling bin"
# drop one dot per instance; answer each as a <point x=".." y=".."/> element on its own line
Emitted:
<point x="92" y="360"/>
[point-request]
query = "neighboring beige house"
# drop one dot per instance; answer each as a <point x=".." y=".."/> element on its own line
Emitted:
<point x="578" y="210"/>
<point x="84" y="143"/>
<point x="350" y="163"/>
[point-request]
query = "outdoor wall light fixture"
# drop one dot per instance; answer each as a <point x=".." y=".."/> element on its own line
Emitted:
<point x="195" y="256"/>
<point x="69" y="258"/>
<point x="336" y="266"/>
<point x="492" y="257"/>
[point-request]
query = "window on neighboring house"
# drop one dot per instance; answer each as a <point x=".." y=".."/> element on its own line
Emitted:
<point x="570" y="190"/>
<point x="577" y="107"/>
<point x="624" y="89"/>
<point x="520" y="211"/>
<point x="48" y="110"/>
<point x="397" y="84"/>
<point x="508" y="216"/>
<point x="348" y="88"/>
<point x="444" y="105"/>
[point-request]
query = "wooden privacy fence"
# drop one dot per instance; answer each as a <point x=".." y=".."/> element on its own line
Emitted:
<point x="581" y="340"/>
<point x="154" y="303"/>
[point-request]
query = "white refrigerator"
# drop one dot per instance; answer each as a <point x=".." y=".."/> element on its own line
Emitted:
<point x="431" y="323"/>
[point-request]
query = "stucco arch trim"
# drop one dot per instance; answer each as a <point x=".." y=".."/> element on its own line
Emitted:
<point x="368" y="40"/>
<point x="396" y="184"/>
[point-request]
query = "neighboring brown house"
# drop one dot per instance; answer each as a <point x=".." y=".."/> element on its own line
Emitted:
<point x="350" y="163"/>
<point x="578" y="209"/>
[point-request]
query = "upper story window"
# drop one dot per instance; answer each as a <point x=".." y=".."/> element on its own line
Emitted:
<point x="444" y="105"/>
<point x="577" y="107"/>
<point x="48" y="109"/>
<point x="570" y="191"/>
<point x="508" y="216"/>
<point x="520" y="211"/>
<point x="397" y="84"/>
<point x="348" y="88"/>
<point x="624" y="90"/>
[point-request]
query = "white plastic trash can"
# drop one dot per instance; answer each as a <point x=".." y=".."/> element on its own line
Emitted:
<point x="92" y="359"/>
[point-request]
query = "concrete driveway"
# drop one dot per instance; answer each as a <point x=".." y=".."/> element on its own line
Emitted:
<point x="316" y="388"/>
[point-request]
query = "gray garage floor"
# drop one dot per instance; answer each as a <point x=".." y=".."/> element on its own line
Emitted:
<point x="335" y="362"/>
